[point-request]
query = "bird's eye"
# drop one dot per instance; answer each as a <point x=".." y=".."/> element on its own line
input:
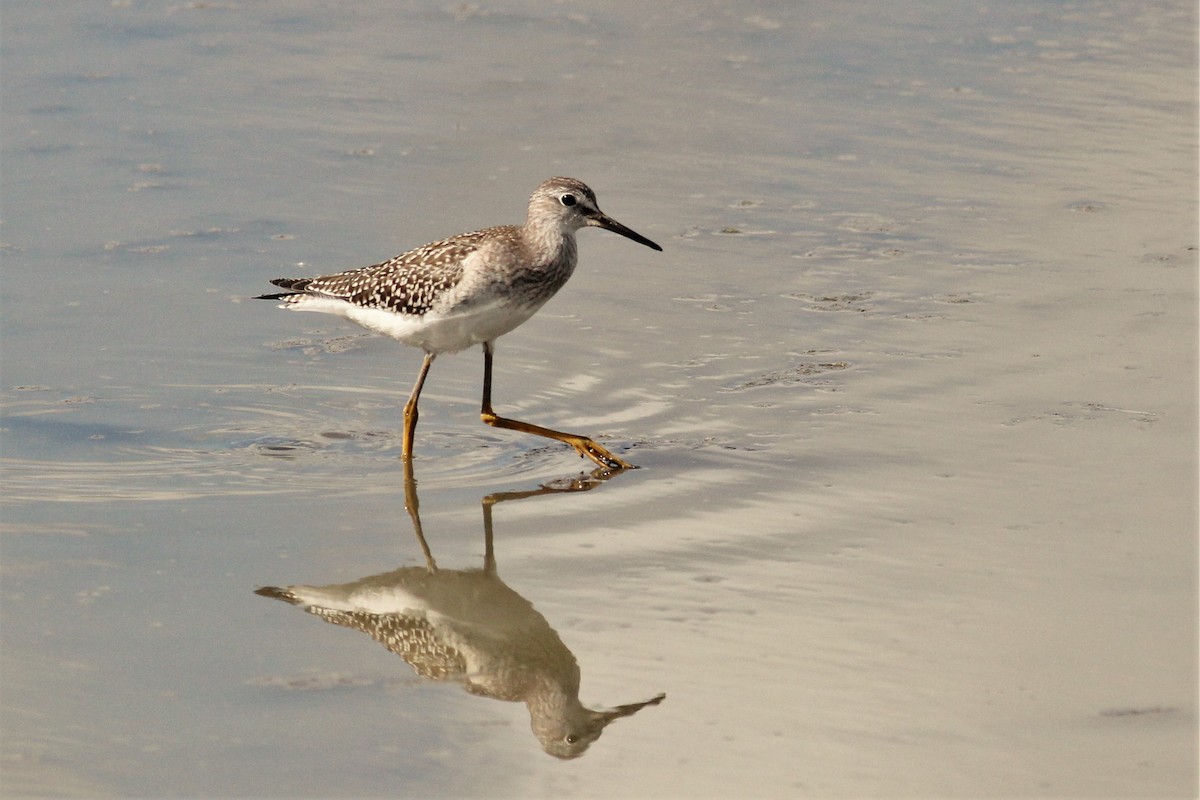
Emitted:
<point x="567" y="199"/>
<point x="571" y="738"/>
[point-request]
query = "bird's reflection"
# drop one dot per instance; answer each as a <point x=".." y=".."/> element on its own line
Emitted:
<point x="469" y="627"/>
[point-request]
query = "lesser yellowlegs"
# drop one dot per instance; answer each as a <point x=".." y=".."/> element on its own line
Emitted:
<point x="470" y="627"/>
<point x="469" y="289"/>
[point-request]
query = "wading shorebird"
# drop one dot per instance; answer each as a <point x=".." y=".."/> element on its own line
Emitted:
<point x="469" y="627"/>
<point x="469" y="289"/>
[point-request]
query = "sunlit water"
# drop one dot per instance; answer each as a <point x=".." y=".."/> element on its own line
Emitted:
<point x="912" y="388"/>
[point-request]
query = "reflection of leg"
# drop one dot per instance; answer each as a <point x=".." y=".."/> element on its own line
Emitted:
<point x="583" y="445"/>
<point x="489" y="554"/>
<point x="580" y="484"/>
<point x="410" y="409"/>
<point x="413" y="506"/>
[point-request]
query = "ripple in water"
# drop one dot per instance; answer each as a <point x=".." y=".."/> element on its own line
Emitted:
<point x="242" y="441"/>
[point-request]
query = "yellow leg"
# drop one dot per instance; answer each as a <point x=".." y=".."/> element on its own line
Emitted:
<point x="413" y="506"/>
<point x="583" y="445"/>
<point x="410" y="410"/>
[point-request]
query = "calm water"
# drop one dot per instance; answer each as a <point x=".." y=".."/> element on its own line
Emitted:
<point x="912" y="387"/>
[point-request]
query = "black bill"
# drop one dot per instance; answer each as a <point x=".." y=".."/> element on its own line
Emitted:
<point x="601" y="220"/>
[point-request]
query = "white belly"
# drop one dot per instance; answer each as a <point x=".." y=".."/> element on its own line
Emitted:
<point x="431" y="333"/>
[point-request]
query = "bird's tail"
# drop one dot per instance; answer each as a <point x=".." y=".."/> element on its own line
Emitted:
<point x="294" y="285"/>
<point x="279" y="594"/>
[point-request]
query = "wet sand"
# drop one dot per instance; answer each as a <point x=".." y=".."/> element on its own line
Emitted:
<point x="912" y="387"/>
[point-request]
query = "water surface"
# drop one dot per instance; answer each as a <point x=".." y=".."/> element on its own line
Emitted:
<point x="912" y="388"/>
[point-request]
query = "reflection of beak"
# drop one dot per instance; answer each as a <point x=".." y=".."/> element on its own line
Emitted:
<point x="632" y="708"/>
<point x="602" y="220"/>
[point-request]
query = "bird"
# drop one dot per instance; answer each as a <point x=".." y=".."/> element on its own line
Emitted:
<point x="467" y="626"/>
<point x="469" y="289"/>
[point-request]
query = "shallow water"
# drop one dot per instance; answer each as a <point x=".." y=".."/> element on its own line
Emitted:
<point x="912" y="388"/>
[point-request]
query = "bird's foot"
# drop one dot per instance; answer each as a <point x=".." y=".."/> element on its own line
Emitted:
<point x="600" y="455"/>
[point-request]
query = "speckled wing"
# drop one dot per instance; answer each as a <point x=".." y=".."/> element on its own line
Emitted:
<point x="411" y="638"/>
<point x="410" y="283"/>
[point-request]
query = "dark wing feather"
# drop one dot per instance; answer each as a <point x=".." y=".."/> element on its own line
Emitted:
<point x="411" y="638"/>
<point x="410" y="283"/>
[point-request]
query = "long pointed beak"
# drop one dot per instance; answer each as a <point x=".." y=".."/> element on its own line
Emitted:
<point x="602" y="220"/>
<point x="629" y="710"/>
